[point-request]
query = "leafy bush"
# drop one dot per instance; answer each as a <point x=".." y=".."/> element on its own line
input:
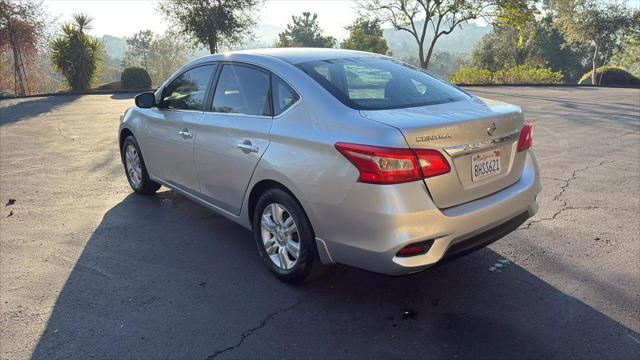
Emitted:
<point x="472" y="76"/>
<point x="521" y="74"/>
<point x="609" y="75"/>
<point x="135" y="78"/>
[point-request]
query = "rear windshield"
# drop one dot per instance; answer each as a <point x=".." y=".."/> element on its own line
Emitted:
<point x="378" y="83"/>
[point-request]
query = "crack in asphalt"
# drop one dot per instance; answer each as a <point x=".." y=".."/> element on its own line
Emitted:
<point x="599" y="207"/>
<point x="60" y="130"/>
<point x="565" y="206"/>
<point x="245" y="334"/>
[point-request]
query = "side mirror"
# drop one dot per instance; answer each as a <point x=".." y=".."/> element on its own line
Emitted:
<point x="146" y="100"/>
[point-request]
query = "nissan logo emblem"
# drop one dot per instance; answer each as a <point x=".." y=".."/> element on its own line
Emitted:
<point x="491" y="129"/>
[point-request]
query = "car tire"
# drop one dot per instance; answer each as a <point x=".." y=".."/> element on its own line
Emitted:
<point x="306" y="264"/>
<point x="135" y="168"/>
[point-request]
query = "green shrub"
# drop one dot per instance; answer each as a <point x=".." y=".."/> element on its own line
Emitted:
<point x="521" y="74"/>
<point x="524" y="74"/>
<point x="472" y="76"/>
<point x="609" y="75"/>
<point x="135" y="78"/>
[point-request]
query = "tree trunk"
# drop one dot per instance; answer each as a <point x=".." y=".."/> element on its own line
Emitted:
<point x="213" y="44"/>
<point x="605" y="61"/>
<point x="430" y="53"/>
<point x="596" y="52"/>
<point x="423" y="65"/>
<point x="19" y="88"/>
<point x="25" y="80"/>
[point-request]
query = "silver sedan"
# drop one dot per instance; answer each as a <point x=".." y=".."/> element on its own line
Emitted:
<point x="335" y="156"/>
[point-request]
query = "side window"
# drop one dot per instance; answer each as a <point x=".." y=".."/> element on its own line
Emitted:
<point x="187" y="91"/>
<point x="323" y="70"/>
<point x="242" y="90"/>
<point x="283" y="96"/>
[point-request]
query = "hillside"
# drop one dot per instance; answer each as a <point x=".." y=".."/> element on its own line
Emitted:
<point x="115" y="47"/>
<point x="462" y="40"/>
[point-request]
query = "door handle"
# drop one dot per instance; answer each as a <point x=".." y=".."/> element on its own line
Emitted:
<point x="185" y="134"/>
<point x="247" y="147"/>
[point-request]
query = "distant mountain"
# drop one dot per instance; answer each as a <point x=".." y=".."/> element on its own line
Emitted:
<point x="264" y="36"/>
<point x="462" y="40"/>
<point x="115" y="47"/>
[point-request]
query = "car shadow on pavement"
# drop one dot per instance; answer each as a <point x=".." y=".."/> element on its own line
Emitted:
<point x="162" y="277"/>
<point x="125" y="95"/>
<point x="20" y="109"/>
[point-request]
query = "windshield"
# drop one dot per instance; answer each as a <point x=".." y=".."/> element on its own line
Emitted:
<point x="378" y="83"/>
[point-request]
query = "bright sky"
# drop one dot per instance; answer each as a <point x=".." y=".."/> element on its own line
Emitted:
<point x="125" y="17"/>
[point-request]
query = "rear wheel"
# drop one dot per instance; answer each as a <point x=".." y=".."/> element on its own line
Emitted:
<point x="135" y="168"/>
<point x="284" y="236"/>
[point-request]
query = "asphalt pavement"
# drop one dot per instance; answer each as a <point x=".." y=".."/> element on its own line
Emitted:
<point x="90" y="270"/>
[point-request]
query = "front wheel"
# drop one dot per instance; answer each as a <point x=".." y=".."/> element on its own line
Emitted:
<point x="135" y="168"/>
<point x="285" y="238"/>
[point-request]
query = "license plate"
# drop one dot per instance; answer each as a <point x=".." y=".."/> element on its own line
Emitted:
<point x="485" y="164"/>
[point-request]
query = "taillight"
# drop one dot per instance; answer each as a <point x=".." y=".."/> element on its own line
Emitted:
<point x="383" y="165"/>
<point x="432" y="163"/>
<point x="526" y="137"/>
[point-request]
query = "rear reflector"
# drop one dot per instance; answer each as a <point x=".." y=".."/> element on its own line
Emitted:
<point x="383" y="165"/>
<point x="526" y="137"/>
<point x="415" y="249"/>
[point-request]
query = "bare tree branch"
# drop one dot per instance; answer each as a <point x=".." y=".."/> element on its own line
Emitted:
<point x="425" y="18"/>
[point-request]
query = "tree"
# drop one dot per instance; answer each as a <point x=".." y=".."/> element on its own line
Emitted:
<point x="629" y="56"/>
<point x="517" y="14"/>
<point x="212" y="23"/>
<point x="365" y="35"/>
<point x="499" y="49"/>
<point x="553" y="51"/>
<point x="304" y="32"/>
<point x="75" y="54"/>
<point x="21" y="26"/>
<point x="138" y="47"/>
<point x="160" y="55"/>
<point x="166" y="55"/>
<point x="417" y="17"/>
<point x="539" y="45"/>
<point x="600" y="25"/>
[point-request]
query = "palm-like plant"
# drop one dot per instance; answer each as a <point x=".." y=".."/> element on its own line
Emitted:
<point x="75" y="54"/>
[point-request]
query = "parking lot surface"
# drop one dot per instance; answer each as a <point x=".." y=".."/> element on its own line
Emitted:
<point x="90" y="270"/>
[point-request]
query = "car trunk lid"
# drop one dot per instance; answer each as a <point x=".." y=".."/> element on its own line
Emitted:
<point x="477" y="136"/>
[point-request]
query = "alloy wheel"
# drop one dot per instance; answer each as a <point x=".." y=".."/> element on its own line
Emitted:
<point x="134" y="165"/>
<point x="280" y="236"/>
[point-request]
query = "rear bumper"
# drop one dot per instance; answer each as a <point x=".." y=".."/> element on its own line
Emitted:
<point x="374" y="222"/>
<point x="485" y="238"/>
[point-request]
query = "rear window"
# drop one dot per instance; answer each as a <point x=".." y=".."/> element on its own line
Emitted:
<point x="379" y="83"/>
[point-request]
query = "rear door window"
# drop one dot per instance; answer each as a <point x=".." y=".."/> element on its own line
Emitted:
<point x="283" y="95"/>
<point x="242" y="90"/>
